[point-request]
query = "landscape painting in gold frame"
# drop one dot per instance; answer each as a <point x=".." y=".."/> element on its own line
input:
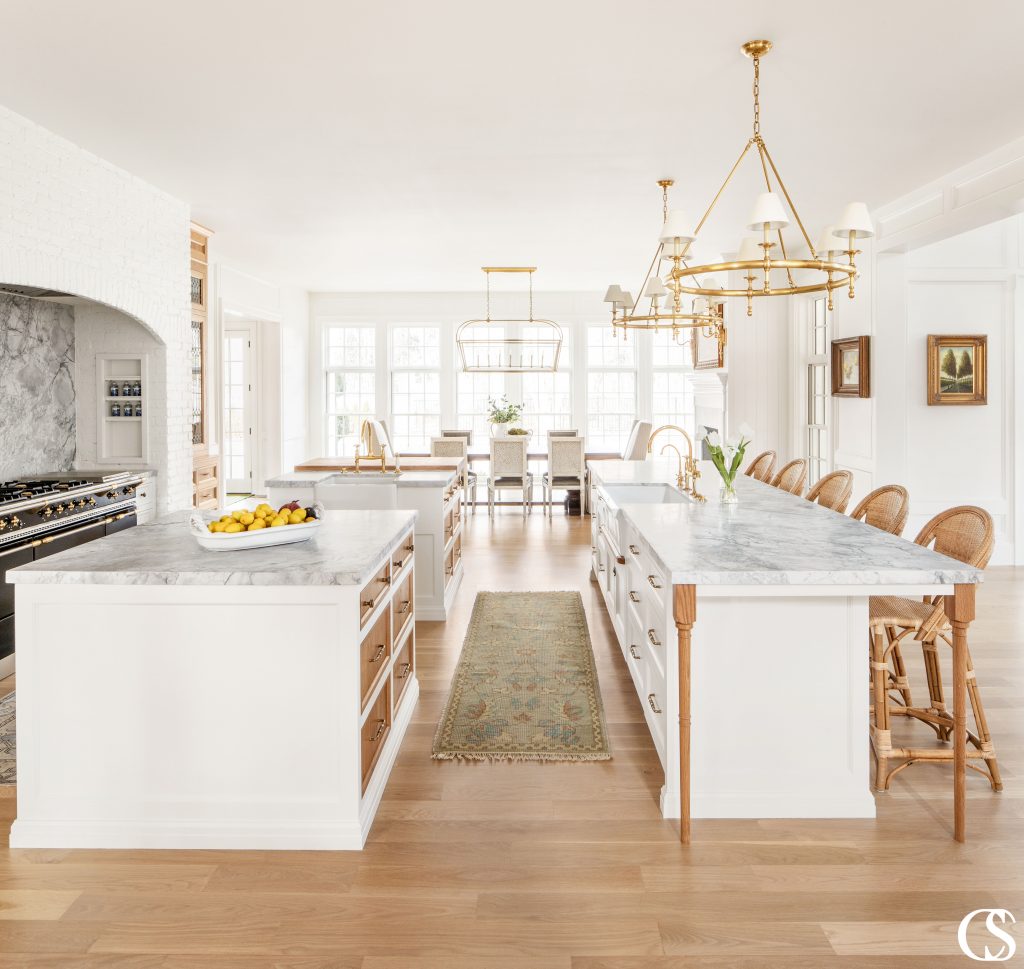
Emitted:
<point x="851" y="367"/>
<point x="957" y="369"/>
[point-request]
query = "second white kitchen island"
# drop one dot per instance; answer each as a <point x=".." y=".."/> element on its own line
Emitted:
<point x="748" y="625"/>
<point x="172" y="697"/>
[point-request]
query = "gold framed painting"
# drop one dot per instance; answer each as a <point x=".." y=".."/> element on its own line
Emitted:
<point x="851" y="367"/>
<point x="957" y="369"/>
<point x="708" y="351"/>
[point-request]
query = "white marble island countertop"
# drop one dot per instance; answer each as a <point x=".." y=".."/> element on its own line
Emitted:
<point x="346" y="550"/>
<point x="415" y="478"/>
<point x="770" y="538"/>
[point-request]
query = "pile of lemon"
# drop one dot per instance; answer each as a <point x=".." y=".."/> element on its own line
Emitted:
<point x="262" y="516"/>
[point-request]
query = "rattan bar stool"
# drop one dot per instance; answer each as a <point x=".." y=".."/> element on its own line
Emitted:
<point x="832" y="490"/>
<point x="792" y="477"/>
<point x="886" y="508"/>
<point x="762" y="467"/>
<point x="967" y="534"/>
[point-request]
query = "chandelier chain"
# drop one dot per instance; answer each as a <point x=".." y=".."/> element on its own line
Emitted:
<point x="757" y="97"/>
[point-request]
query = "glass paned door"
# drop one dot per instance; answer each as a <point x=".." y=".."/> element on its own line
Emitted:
<point x="239" y="410"/>
<point x="817" y="393"/>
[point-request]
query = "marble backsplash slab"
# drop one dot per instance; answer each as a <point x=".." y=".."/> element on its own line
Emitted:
<point x="37" y="387"/>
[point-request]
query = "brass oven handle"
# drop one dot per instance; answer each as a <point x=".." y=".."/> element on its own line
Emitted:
<point x="381" y="724"/>
<point x="652" y="638"/>
<point x="633" y="652"/>
<point x="381" y="650"/>
<point x="125" y="514"/>
<point x="372" y="604"/>
<point x="654" y="584"/>
<point x="75" y="531"/>
<point x="405" y="608"/>
<point x="406" y="669"/>
<point x="634" y="596"/>
<point x="652" y="700"/>
<point x="634" y="549"/>
<point x="11" y="551"/>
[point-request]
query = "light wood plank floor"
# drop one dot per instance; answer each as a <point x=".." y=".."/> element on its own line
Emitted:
<point x="555" y="866"/>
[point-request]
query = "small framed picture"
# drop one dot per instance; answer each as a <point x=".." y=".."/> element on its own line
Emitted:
<point x="957" y="369"/>
<point x="708" y="351"/>
<point x="851" y="367"/>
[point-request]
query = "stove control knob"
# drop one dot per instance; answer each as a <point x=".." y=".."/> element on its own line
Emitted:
<point x="91" y="502"/>
<point x="130" y="490"/>
<point x="80" y="503"/>
<point x="60" y="509"/>
<point x="46" y="512"/>
<point x="15" y="521"/>
<point x="3" y="524"/>
<point x="111" y="494"/>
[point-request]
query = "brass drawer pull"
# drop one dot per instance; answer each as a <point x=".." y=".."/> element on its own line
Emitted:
<point x="381" y="724"/>
<point x="653" y="580"/>
<point x="405" y="607"/>
<point x="381" y="650"/>
<point x="633" y="652"/>
<point x="652" y="638"/>
<point x="634" y="596"/>
<point x="402" y="563"/>
<point x="372" y="604"/>
<point x="652" y="700"/>
<point x="634" y="549"/>
<point x="406" y="669"/>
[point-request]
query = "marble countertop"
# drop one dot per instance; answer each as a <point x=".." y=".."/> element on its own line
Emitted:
<point x="771" y="538"/>
<point x="407" y="479"/>
<point x="347" y="550"/>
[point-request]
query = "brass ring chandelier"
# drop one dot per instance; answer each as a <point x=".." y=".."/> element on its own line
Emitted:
<point x="755" y="260"/>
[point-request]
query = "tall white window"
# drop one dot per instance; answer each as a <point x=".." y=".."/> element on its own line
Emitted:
<point x="611" y="389"/>
<point x="350" y="384"/>
<point x="472" y="391"/>
<point x="415" y="386"/>
<point x="817" y="392"/>
<point x="671" y="383"/>
<point x="547" y="396"/>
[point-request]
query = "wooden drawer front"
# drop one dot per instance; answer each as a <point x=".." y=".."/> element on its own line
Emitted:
<point x="401" y="557"/>
<point x="402" y="608"/>
<point x="405" y="666"/>
<point x="204" y="474"/>
<point x="449" y="525"/>
<point x="375" y="731"/>
<point x="373" y="592"/>
<point x="374" y="652"/>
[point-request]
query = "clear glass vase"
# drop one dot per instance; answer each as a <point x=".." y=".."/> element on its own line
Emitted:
<point x="728" y="496"/>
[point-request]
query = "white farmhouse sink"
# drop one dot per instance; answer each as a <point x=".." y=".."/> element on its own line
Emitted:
<point x="632" y="494"/>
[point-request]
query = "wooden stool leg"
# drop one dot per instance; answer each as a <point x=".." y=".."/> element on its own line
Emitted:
<point x="900" y="680"/>
<point x="959" y="609"/>
<point x="933" y="674"/>
<point x="881" y="735"/>
<point x="980" y="720"/>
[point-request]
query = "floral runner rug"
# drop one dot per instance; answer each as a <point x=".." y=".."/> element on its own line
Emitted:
<point x="526" y="686"/>
<point x="8" y="765"/>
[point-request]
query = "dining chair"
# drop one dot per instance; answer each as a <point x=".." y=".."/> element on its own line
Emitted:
<point x="792" y="477"/>
<point x="636" y="443"/>
<point x="564" y="432"/>
<point x="762" y="467"/>
<point x="965" y="533"/>
<point x="454" y="432"/>
<point x="450" y="446"/>
<point x="832" y="490"/>
<point x="509" y="470"/>
<point x="567" y="469"/>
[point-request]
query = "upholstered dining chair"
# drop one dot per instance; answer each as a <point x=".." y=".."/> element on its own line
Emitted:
<point x="832" y="490"/>
<point x="792" y="477"/>
<point x="636" y="444"/>
<point x="456" y="447"/>
<point x="762" y="467"/>
<point x="965" y="533"/>
<point x="509" y="470"/>
<point x="567" y="469"/>
<point x="564" y="432"/>
<point x="886" y="508"/>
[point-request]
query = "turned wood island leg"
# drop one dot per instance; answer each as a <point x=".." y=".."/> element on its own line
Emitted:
<point x="959" y="609"/>
<point x="684" y="610"/>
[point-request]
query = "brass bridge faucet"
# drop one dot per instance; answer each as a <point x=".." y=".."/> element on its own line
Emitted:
<point x="687" y="475"/>
<point x="366" y="439"/>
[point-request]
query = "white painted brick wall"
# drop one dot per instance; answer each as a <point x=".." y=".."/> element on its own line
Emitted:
<point x="72" y="222"/>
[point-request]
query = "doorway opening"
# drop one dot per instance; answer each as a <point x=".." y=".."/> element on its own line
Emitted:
<point x="241" y="435"/>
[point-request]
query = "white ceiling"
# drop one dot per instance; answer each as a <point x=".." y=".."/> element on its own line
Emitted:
<point x="400" y="145"/>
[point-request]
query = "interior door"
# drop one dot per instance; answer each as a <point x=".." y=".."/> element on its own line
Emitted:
<point x="239" y="408"/>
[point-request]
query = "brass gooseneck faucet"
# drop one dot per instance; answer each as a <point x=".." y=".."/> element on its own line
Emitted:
<point x="688" y="473"/>
<point x="366" y="440"/>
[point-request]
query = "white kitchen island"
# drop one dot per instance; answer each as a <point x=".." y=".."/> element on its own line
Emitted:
<point x="745" y="629"/>
<point x="171" y="697"/>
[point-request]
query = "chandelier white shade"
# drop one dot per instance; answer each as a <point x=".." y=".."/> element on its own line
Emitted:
<point x="855" y="222"/>
<point x="768" y="213"/>
<point x="677" y="228"/>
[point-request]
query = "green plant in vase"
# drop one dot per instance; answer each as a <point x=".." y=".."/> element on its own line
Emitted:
<point x="727" y="459"/>
<point x="502" y="415"/>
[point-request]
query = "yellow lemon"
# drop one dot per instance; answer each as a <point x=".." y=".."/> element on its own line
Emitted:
<point x="234" y="527"/>
<point x="247" y="518"/>
<point x="297" y="516"/>
<point x="258" y="523"/>
<point x="226" y="519"/>
<point x="279" y="521"/>
<point x="236" y="515"/>
<point x="210" y="527"/>
<point x="219" y="526"/>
